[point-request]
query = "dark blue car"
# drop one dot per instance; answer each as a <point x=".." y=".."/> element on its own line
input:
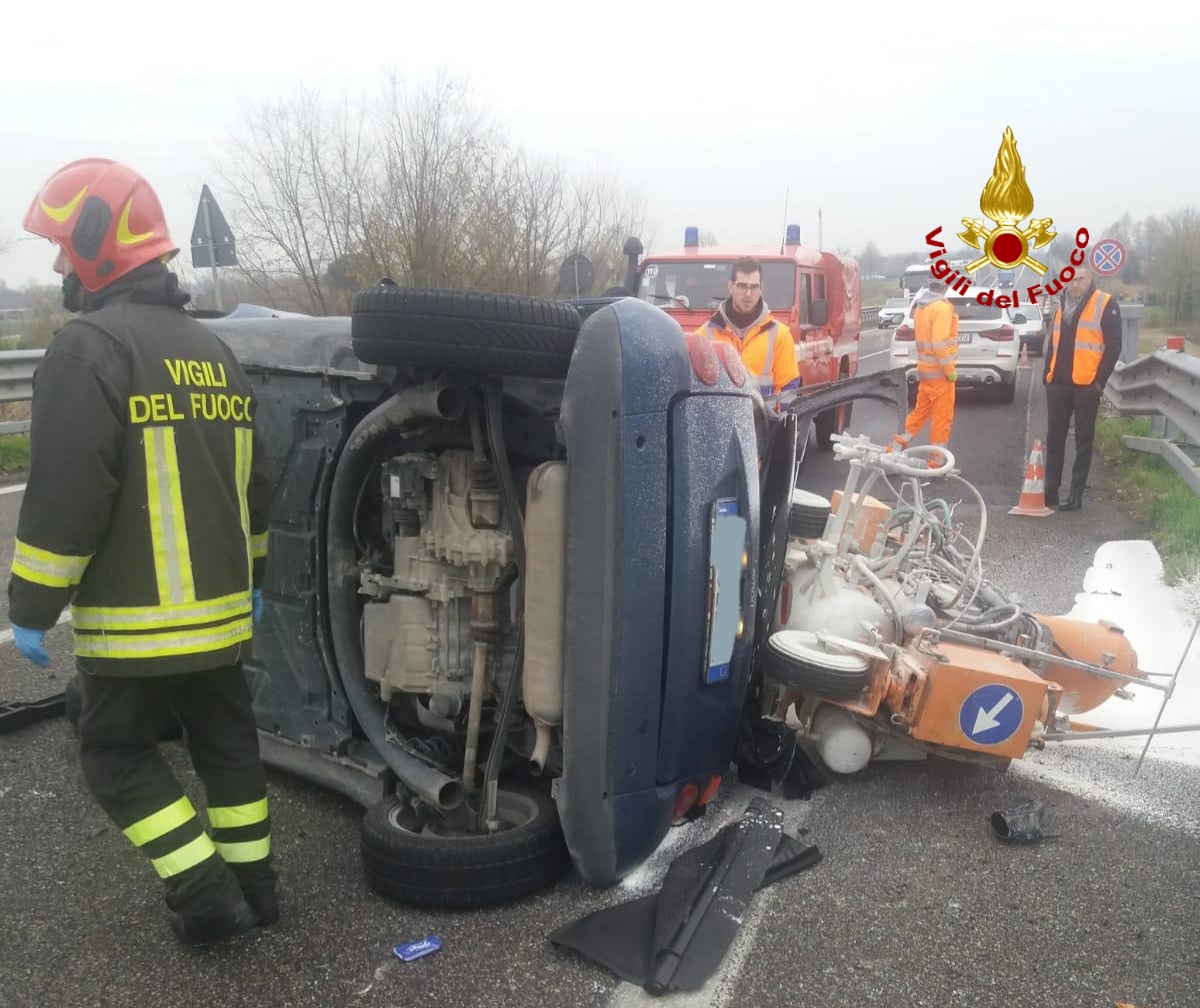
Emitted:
<point x="519" y="555"/>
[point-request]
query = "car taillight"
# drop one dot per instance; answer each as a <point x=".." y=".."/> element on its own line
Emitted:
<point x="906" y="334"/>
<point x="704" y="359"/>
<point x="1001" y="335"/>
<point x="687" y="798"/>
<point x="733" y="364"/>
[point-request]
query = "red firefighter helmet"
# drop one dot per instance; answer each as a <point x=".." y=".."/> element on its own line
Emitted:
<point x="106" y="218"/>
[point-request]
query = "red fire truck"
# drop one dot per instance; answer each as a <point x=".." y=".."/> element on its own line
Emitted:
<point x="816" y="294"/>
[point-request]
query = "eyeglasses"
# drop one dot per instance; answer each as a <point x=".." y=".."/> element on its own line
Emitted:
<point x="745" y="288"/>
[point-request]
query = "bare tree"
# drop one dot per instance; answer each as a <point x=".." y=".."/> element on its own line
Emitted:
<point x="296" y="187"/>
<point x="418" y="186"/>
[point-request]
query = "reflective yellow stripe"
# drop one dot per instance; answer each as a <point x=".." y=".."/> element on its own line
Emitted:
<point x="54" y="570"/>
<point x="160" y="823"/>
<point x="185" y="857"/>
<point x="168" y="527"/>
<point x="161" y="645"/>
<point x="258" y="546"/>
<point x="230" y="816"/>
<point x="243" y="454"/>
<point x="249" y="850"/>
<point x="160" y="617"/>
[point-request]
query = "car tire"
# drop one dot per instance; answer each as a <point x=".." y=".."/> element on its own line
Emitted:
<point x="426" y="869"/>
<point x="1006" y="392"/>
<point x="469" y="330"/>
<point x="796" y="659"/>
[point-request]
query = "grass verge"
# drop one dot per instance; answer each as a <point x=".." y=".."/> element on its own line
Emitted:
<point x="14" y="453"/>
<point x="1151" y="487"/>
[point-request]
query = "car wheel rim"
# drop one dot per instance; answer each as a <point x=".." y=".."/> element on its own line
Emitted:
<point x="513" y="809"/>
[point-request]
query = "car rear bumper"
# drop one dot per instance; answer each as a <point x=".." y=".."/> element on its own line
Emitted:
<point x="975" y="375"/>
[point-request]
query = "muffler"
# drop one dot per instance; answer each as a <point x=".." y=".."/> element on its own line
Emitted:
<point x="545" y="604"/>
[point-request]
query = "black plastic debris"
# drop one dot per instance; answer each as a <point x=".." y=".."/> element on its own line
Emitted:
<point x="1022" y="824"/>
<point x="676" y="938"/>
<point x="19" y="714"/>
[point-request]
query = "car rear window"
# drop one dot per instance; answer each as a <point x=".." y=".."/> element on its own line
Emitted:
<point x="970" y="310"/>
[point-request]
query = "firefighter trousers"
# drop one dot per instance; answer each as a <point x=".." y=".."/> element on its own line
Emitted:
<point x="205" y="874"/>
<point x="935" y="405"/>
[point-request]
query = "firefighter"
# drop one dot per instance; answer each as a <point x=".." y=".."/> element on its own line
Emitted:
<point x="744" y="321"/>
<point x="1085" y="345"/>
<point x="145" y="510"/>
<point x="936" y="325"/>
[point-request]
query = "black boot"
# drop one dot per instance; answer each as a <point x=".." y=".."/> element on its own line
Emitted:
<point x="1074" y="503"/>
<point x="1051" y="499"/>
<point x="195" y="930"/>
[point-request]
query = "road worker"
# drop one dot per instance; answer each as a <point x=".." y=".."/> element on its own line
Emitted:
<point x="936" y="324"/>
<point x="1085" y="345"/>
<point x="744" y="321"/>
<point x="145" y="510"/>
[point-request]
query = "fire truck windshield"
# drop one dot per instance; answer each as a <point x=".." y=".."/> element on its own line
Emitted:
<point x="702" y="286"/>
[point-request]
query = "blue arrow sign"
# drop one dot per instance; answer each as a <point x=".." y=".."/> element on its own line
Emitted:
<point x="991" y="714"/>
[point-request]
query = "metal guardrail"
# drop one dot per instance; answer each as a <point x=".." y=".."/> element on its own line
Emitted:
<point x="1164" y="385"/>
<point x="16" y="383"/>
<point x="870" y="315"/>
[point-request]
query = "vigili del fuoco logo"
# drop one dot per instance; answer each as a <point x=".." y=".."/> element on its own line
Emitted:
<point x="1005" y="202"/>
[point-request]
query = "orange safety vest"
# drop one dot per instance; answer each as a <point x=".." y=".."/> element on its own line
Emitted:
<point x="1089" y="340"/>
<point x="936" y="326"/>
<point x="764" y="352"/>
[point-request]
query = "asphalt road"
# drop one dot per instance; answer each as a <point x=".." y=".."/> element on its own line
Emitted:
<point x="914" y="903"/>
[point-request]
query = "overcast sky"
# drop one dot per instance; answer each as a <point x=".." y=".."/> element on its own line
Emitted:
<point x="887" y="118"/>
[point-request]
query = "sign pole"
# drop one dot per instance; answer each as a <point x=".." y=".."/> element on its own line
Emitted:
<point x="212" y="251"/>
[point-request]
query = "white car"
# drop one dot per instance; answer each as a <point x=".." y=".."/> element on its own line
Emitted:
<point x="892" y="312"/>
<point x="987" y="347"/>
<point x="1031" y="331"/>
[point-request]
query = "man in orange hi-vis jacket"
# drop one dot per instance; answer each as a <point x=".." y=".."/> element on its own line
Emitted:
<point x="936" y="325"/>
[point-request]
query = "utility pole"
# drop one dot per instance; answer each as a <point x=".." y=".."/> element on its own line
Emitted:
<point x="820" y="231"/>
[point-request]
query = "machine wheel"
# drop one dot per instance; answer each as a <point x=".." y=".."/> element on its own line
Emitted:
<point x="500" y="333"/>
<point x="796" y="659"/>
<point x="420" y="866"/>
<point x="911" y="395"/>
<point x="808" y="515"/>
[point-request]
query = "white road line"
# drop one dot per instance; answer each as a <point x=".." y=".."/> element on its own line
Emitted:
<point x="7" y="635"/>
<point x="863" y="357"/>
<point x="16" y="488"/>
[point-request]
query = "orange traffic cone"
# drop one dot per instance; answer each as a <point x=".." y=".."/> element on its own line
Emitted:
<point x="1033" y="490"/>
<point x="1023" y="360"/>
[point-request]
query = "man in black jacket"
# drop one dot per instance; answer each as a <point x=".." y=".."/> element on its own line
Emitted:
<point x="1085" y="345"/>
<point x="145" y="510"/>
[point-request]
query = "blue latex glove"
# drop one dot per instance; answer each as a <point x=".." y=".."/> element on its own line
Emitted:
<point x="29" y="643"/>
<point x="256" y="595"/>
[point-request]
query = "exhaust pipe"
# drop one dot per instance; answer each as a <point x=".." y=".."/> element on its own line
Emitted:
<point x="989" y="380"/>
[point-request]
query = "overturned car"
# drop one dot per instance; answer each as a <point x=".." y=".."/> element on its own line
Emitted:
<point x="515" y="577"/>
